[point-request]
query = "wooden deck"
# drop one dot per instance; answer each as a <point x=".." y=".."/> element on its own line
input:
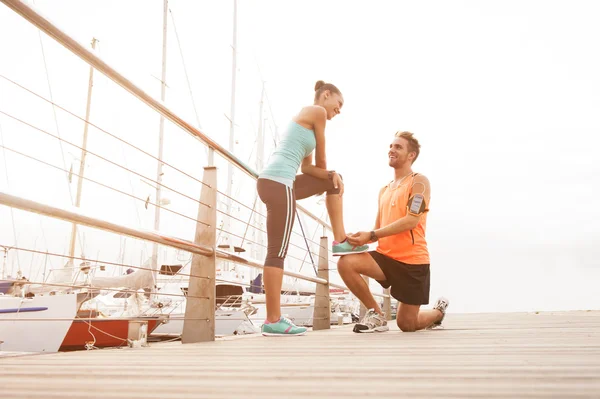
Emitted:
<point x="481" y="355"/>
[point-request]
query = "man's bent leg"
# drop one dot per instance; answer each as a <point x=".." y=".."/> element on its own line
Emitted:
<point x="410" y="318"/>
<point x="352" y="268"/>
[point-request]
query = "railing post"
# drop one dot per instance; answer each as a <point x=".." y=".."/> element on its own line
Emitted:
<point x="199" y="323"/>
<point x="387" y="304"/>
<point x="363" y="309"/>
<point x="322" y="311"/>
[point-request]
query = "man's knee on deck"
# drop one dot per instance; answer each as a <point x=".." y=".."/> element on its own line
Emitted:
<point x="406" y="325"/>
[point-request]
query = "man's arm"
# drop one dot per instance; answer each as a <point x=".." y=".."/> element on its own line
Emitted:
<point x="408" y="222"/>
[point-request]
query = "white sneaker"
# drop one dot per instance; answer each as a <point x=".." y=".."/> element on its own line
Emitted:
<point x="441" y="304"/>
<point x="372" y="322"/>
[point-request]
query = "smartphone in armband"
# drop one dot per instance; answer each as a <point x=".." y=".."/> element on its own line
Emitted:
<point x="416" y="204"/>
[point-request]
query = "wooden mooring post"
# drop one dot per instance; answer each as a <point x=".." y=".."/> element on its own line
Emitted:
<point x="322" y="310"/>
<point x="199" y="323"/>
<point x="363" y="309"/>
<point x="387" y="304"/>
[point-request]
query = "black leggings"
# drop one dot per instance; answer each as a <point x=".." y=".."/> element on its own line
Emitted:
<point x="281" y="210"/>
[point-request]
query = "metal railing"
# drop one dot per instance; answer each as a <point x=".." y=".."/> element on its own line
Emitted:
<point x="204" y="251"/>
<point x="35" y="18"/>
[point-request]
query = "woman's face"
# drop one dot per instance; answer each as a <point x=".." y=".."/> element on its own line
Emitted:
<point x="333" y="103"/>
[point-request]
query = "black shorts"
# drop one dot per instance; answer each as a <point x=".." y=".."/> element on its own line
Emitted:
<point x="410" y="283"/>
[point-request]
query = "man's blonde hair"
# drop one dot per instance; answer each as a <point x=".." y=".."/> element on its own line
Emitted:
<point x="413" y="143"/>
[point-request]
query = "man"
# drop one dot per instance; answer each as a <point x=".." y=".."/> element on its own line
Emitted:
<point x="401" y="260"/>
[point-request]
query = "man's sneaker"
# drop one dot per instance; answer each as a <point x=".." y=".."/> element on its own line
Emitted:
<point x="372" y="322"/>
<point x="441" y="304"/>
<point x="345" y="248"/>
<point x="282" y="328"/>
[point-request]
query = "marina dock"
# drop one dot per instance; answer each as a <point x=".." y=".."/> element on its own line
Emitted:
<point x="551" y="354"/>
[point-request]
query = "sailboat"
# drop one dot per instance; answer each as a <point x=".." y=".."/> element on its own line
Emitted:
<point x="32" y="323"/>
<point x="91" y="327"/>
<point x="35" y="324"/>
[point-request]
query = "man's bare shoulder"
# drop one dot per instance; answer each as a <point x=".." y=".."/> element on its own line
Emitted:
<point x="421" y="185"/>
<point x="421" y="179"/>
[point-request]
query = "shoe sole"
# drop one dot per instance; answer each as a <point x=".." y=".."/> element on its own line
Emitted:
<point x="282" y="335"/>
<point x="435" y="327"/>
<point x="376" y="329"/>
<point x="350" y="252"/>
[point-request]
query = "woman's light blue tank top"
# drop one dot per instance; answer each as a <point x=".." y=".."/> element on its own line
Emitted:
<point x="295" y="145"/>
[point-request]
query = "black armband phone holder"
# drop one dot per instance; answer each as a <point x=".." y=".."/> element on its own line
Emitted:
<point x="416" y="205"/>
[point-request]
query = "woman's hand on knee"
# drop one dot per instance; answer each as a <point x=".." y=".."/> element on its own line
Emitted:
<point x="338" y="183"/>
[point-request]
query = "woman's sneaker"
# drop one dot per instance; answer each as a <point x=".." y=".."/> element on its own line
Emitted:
<point x="282" y="328"/>
<point x="372" y="322"/>
<point x="345" y="248"/>
<point x="441" y="304"/>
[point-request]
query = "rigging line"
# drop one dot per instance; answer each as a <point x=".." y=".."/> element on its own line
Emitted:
<point x="62" y="151"/>
<point x="104" y="159"/>
<point x="248" y="225"/>
<point x="242" y="221"/>
<point x="262" y="245"/>
<point x="241" y="203"/>
<point x="108" y="187"/>
<point x="126" y="143"/>
<point x="94" y="260"/>
<point x="312" y="240"/>
<point x="185" y="70"/>
<point x="258" y="213"/>
<point x="236" y="194"/>
<point x="104" y="131"/>
<point x="12" y="214"/>
<point x="137" y="211"/>
<point x="94" y="288"/>
<point x="256" y="228"/>
<point x="307" y="246"/>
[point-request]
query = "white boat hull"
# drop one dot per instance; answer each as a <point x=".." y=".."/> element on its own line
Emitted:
<point x="227" y="323"/>
<point x="23" y="327"/>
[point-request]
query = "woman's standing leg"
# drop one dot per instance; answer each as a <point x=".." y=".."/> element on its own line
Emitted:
<point x="281" y="207"/>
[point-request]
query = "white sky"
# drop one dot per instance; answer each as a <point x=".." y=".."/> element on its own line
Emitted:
<point x="503" y="96"/>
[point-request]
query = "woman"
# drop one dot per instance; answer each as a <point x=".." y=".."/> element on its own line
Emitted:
<point x="279" y="188"/>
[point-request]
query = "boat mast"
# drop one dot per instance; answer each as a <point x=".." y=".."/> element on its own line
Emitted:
<point x="260" y="144"/>
<point x="82" y="162"/>
<point x="226" y="223"/>
<point x="159" y="170"/>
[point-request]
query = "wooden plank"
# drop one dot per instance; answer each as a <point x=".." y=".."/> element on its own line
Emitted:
<point x="553" y="354"/>
<point x="199" y="323"/>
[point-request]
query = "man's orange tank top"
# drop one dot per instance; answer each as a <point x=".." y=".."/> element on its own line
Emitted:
<point x="410" y="246"/>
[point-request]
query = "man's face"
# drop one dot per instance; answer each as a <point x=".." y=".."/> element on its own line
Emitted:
<point x="398" y="154"/>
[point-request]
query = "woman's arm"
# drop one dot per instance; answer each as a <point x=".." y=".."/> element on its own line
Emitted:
<point x="309" y="169"/>
<point x="316" y="116"/>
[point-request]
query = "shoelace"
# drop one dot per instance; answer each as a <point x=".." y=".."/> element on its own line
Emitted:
<point x="442" y="305"/>
<point x="368" y="319"/>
